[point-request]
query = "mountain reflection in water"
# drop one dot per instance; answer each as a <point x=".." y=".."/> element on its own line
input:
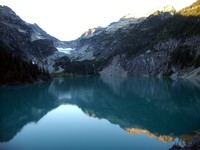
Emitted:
<point x="163" y="109"/>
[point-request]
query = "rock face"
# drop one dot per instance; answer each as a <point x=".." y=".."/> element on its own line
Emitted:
<point x="91" y="32"/>
<point x="167" y="43"/>
<point x="114" y="68"/>
<point x="21" y="37"/>
<point x="28" y="40"/>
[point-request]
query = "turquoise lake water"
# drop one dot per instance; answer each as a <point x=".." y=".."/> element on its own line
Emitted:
<point x="94" y="113"/>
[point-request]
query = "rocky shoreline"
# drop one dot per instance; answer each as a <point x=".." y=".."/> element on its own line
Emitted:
<point x="193" y="144"/>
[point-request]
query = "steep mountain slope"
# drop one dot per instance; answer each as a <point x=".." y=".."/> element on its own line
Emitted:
<point x="28" y="40"/>
<point x="164" y="44"/>
<point x="16" y="70"/>
<point x="18" y="35"/>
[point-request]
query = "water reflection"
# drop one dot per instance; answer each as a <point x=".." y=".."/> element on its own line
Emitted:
<point x="159" y="108"/>
<point x="21" y="105"/>
<point x="163" y="107"/>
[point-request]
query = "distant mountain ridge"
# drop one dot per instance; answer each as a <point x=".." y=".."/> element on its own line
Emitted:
<point x="166" y="43"/>
<point x="23" y="48"/>
<point x="28" y="40"/>
<point x="17" y="34"/>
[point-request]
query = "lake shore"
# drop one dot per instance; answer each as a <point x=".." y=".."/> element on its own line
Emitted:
<point x="193" y="144"/>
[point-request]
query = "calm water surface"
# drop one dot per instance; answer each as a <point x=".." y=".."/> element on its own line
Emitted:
<point x="99" y="114"/>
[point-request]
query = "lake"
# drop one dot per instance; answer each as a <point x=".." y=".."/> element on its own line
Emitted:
<point x="94" y="113"/>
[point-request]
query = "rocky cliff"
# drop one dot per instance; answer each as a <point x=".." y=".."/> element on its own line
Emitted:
<point x="20" y="37"/>
<point x="166" y="43"/>
<point x="28" y="40"/>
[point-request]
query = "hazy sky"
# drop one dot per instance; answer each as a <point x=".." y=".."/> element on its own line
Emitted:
<point x="68" y="19"/>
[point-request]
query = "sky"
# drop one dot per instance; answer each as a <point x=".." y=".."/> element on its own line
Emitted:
<point x="68" y="19"/>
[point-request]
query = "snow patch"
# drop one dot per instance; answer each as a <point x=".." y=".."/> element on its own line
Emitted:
<point x="65" y="50"/>
<point x="36" y="36"/>
<point x="22" y="31"/>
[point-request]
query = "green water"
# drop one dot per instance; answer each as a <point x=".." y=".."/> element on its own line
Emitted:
<point x="99" y="114"/>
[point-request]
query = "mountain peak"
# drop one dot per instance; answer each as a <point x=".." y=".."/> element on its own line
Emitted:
<point x="5" y="10"/>
<point x="91" y="32"/>
<point x="132" y="16"/>
<point x="166" y="9"/>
